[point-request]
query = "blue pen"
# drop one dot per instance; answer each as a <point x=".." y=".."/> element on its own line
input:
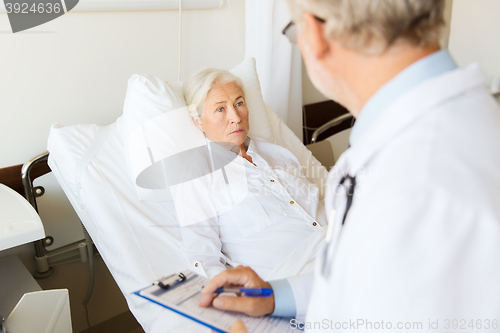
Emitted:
<point x="250" y="292"/>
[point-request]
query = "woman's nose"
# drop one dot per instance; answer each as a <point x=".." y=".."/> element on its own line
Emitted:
<point x="234" y="116"/>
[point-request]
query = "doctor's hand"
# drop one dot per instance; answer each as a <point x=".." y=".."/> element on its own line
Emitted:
<point x="240" y="276"/>
<point x="238" y="327"/>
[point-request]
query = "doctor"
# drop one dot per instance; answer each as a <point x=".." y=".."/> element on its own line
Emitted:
<point x="414" y="204"/>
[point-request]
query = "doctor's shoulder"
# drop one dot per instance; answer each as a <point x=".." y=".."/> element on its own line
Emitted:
<point x="454" y="147"/>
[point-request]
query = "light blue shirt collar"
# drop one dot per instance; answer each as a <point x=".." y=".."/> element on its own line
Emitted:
<point x="428" y="67"/>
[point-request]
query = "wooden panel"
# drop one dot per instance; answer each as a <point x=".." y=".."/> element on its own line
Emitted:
<point x="11" y="176"/>
<point x="320" y="113"/>
<point x="124" y="323"/>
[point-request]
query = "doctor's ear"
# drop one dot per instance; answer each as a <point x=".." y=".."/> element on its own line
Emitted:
<point x="313" y="35"/>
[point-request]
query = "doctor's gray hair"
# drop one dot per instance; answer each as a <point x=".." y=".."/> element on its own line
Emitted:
<point x="196" y="88"/>
<point x="372" y="26"/>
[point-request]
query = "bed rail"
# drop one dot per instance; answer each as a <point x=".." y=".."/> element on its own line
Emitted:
<point x="45" y="259"/>
<point x="31" y="192"/>
<point x="331" y="123"/>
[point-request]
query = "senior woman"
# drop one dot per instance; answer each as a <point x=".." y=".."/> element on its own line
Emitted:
<point x="281" y="210"/>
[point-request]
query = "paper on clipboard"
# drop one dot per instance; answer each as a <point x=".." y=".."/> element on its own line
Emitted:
<point x="183" y="298"/>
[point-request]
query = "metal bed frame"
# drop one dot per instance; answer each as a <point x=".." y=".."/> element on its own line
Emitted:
<point x="45" y="259"/>
<point x="334" y="122"/>
<point x="82" y="250"/>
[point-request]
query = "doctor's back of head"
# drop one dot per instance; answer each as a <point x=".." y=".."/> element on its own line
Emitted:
<point x="373" y="26"/>
<point x="356" y="36"/>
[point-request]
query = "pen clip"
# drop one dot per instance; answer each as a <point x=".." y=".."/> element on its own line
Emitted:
<point x="170" y="281"/>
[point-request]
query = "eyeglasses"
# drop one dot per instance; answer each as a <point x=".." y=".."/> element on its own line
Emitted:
<point x="291" y="30"/>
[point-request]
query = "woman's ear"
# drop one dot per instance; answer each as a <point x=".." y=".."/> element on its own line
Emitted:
<point x="198" y="123"/>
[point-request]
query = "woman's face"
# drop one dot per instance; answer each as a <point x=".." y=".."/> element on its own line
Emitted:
<point x="225" y="114"/>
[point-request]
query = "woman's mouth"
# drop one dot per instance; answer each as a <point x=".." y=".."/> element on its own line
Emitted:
<point x="238" y="131"/>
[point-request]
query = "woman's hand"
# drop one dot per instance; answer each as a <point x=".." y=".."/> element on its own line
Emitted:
<point x="240" y="276"/>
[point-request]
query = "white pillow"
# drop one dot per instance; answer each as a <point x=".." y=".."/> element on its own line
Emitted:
<point x="156" y="125"/>
<point x="149" y="101"/>
<point x="260" y="125"/>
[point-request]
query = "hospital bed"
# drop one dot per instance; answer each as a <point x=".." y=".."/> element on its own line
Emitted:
<point x="135" y="229"/>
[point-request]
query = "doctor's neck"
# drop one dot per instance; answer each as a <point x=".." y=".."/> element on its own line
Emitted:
<point x="362" y="75"/>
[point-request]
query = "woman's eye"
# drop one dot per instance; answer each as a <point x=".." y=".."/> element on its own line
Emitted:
<point x="220" y="109"/>
<point x="239" y="104"/>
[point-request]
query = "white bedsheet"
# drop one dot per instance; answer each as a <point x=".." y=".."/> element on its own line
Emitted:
<point x="139" y="240"/>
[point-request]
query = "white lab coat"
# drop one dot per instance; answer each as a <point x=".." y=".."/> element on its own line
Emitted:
<point x="421" y="242"/>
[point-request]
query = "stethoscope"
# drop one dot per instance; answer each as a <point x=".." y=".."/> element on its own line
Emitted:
<point x="348" y="184"/>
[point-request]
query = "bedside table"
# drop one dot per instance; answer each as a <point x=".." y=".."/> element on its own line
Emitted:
<point x="20" y="295"/>
<point x="19" y="222"/>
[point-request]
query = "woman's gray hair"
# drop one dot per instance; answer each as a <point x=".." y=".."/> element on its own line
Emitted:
<point x="372" y="26"/>
<point x="196" y="88"/>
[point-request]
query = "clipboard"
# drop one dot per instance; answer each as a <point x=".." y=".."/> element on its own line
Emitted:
<point x="181" y="294"/>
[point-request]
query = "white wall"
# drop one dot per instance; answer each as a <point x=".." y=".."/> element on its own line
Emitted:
<point x="310" y="94"/>
<point x="475" y="34"/>
<point x="74" y="70"/>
